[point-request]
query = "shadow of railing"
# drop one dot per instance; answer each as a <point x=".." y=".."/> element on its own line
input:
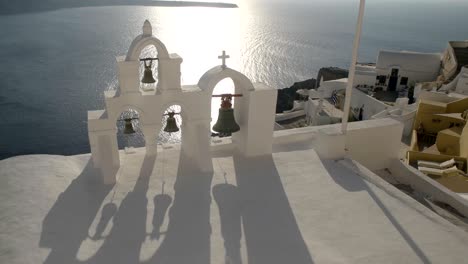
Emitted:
<point x="161" y="205"/>
<point x="67" y="223"/>
<point x="123" y="244"/>
<point x="355" y="183"/>
<point x="107" y="213"/>
<point x="187" y="239"/>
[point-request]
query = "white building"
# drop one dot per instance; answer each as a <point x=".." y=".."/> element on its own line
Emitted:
<point x="395" y="70"/>
<point x="365" y="74"/>
<point x="328" y="87"/>
<point x="370" y="107"/>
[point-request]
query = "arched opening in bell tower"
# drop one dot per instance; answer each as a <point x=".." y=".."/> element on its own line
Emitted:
<point x="129" y="133"/>
<point x="171" y="130"/>
<point x="149" y="68"/>
<point x="225" y="86"/>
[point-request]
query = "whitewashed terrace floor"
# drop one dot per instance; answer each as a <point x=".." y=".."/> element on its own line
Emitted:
<point x="290" y="207"/>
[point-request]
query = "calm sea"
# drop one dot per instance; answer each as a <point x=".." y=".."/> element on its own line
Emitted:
<point x="56" y="63"/>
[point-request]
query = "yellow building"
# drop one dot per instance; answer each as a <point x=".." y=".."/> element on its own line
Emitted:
<point x="439" y="144"/>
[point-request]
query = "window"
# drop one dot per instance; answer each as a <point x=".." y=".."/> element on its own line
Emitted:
<point x="381" y="79"/>
<point x="404" y="81"/>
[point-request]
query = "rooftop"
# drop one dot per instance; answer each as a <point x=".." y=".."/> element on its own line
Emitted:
<point x="423" y="62"/>
<point x="289" y="207"/>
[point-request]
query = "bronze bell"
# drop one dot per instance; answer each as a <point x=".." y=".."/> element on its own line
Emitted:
<point x="128" y="126"/>
<point x="226" y="123"/>
<point x="148" y="74"/>
<point x="171" y="124"/>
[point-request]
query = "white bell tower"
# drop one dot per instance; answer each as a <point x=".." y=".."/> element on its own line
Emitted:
<point x="255" y="111"/>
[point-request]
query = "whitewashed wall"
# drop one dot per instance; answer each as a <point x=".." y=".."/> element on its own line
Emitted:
<point x="328" y="87"/>
<point x="407" y="120"/>
<point x="365" y="75"/>
<point x="372" y="106"/>
<point x="364" y="79"/>
<point x="401" y="112"/>
<point x="373" y="143"/>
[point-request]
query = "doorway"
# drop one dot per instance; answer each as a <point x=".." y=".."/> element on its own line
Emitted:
<point x="393" y="81"/>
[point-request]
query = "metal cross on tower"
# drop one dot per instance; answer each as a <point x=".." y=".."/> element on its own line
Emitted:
<point x="223" y="58"/>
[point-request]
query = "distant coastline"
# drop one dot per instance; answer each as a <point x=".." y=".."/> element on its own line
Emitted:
<point x="192" y="3"/>
<point x="32" y="6"/>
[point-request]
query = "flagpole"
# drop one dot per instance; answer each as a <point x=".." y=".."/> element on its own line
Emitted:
<point x="352" y="68"/>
